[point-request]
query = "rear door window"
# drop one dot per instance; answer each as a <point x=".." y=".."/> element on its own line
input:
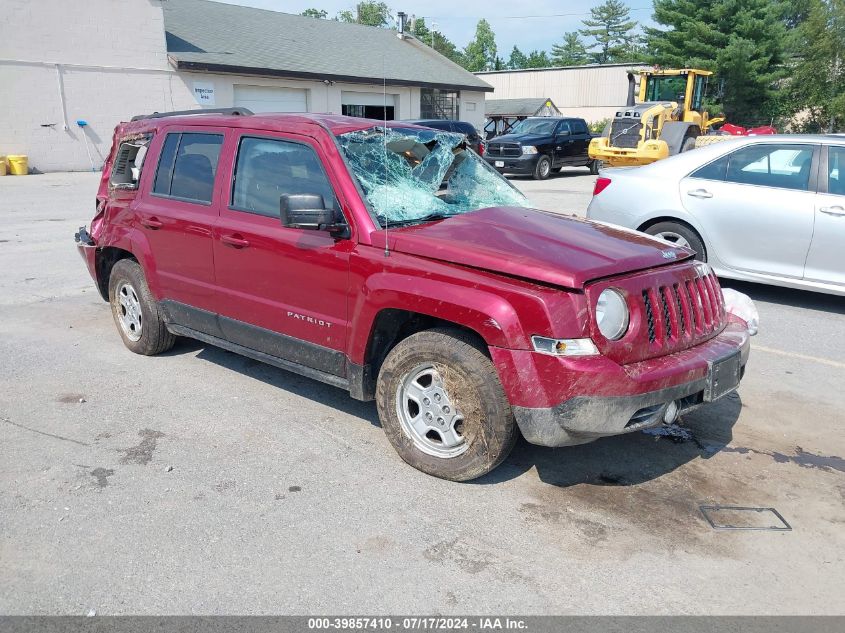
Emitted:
<point x="771" y="165"/>
<point x="187" y="166"/>
<point x="717" y="170"/>
<point x="579" y="127"/>
<point x="267" y="168"/>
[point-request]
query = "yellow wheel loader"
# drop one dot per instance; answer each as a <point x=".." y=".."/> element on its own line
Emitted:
<point x="666" y="121"/>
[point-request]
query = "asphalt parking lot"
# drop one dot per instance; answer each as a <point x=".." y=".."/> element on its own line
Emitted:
<point x="200" y="482"/>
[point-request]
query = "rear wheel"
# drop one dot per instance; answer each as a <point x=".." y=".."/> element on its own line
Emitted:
<point x="679" y="235"/>
<point x="595" y="166"/>
<point x="442" y="406"/>
<point x="136" y="312"/>
<point x="543" y="168"/>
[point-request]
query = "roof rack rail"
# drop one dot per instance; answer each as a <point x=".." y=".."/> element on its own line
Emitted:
<point x="162" y="115"/>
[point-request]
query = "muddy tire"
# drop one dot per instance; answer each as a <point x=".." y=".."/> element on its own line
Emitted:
<point x="136" y="312"/>
<point x="680" y="235"/>
<point x="442" y="406"/>
<point x="543" y="168"/>
<point x="688" y="144"/>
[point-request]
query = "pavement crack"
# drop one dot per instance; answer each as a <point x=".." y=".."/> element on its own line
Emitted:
<point x="57" y="437"/>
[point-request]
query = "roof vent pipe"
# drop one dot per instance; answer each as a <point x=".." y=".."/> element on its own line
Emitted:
<point x="403" y="17"/>
<point x="631" y="85"/>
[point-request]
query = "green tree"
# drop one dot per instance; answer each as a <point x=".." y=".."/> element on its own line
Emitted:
<point x="741" y="40"/>
<point x="611" y="28"/>
<point x="538" y="59"/>
<point x="436" y="40"/>
<point x="570" y="52"/>
<point x="817" y="77"/>
<point x="321" y="14"/>
<point x="367" y="13"/>
<point x="517" y="60"/>
<point x="480" y="53"/>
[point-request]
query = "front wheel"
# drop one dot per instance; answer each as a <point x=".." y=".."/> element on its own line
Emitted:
<point x="679" y="235"/>
<point x="442" y="406"/>
<point x="595" y="166"/>
<point x="543" y="168"/>
<point x="689" y="143"/>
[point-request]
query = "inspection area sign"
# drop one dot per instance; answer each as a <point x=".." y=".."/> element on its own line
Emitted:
<point x="204" y="92"/>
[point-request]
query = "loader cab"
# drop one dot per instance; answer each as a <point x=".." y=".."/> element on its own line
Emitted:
<point x="684" y="86"/>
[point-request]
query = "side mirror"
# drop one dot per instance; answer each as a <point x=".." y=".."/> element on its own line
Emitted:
<point x="563" y="133"/>
<point x="308" y="211"/>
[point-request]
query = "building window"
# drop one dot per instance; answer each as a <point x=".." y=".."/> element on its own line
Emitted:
<point x="380" y="112"/>
<point x="438" y="104"/>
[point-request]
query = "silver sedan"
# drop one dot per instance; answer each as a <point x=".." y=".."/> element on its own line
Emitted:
<point x="763" y="209"/>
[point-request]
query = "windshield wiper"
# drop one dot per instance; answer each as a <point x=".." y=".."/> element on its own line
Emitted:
<point x="431" y="217"/>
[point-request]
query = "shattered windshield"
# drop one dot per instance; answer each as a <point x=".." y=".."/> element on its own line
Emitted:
<point x="534" y="126"/>
<point x="415" y="175"/>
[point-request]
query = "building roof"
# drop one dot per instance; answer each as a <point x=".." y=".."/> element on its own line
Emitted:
<point x="215" y="37"/>
<point x="518" y="107"/>
<point x="633" y="65"/>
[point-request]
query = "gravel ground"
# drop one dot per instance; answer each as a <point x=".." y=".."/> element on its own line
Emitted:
<point x="200" y="482"/>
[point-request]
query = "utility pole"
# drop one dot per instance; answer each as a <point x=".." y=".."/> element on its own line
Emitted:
<point x="433" y="29"/>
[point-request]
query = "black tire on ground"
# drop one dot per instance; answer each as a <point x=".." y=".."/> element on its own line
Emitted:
<point x="688" y="144"/>
<point x="594" y="166"/>
<point x="667" y="229"/>
<point x="154" y="335"/>
<point x="543" y="168"/>
<point x="471" y="382"/>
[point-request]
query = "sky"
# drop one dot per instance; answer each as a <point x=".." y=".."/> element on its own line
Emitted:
<point x="457" y="20"/>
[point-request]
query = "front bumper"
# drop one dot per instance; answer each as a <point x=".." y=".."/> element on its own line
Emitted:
<point x="524" y="164"/>
<point x="593" y="397"/>
<point x="648" y="152"/>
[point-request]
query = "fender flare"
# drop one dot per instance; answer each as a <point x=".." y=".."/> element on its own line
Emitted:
<point x="491" y="316"/>
<point x="135" y="242"/>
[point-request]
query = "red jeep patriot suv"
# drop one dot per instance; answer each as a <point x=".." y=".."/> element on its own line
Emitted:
<point x="389" y="260"/>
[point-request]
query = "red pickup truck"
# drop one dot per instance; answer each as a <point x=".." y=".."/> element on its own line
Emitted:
<point x="391" y="261"/>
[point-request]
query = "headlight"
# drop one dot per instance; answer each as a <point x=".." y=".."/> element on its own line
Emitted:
<point x="612" y="314"/>
<point x="529" y="149"/>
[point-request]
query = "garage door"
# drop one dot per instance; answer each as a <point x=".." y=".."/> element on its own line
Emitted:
<point x="271" y="99"/>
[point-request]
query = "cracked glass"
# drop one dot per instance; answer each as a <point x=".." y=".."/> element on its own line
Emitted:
<point x="416" y="175"/>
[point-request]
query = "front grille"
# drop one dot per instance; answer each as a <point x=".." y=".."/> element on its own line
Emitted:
<point x="688" y="310"/>
<point x="625" y="133"/>
<point x="511" y="150"/>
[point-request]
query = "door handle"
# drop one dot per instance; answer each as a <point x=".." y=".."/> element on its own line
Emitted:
<point x="152" y="223"/>
<point x="235" y="241"/>
<point x="834" y="210"/>
<point x="700" y="193"/>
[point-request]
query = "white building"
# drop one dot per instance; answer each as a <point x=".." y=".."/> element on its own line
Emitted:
<point x="104" y="61"/>
<point x="592" y="92"/>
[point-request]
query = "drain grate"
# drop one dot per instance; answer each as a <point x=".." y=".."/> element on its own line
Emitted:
<point x="744" y="518"/>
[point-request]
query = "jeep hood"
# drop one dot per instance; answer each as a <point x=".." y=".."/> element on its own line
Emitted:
<point x="557" y="250"/>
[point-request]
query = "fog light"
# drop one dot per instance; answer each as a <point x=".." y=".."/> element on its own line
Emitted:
<point x="564" y="346"/>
